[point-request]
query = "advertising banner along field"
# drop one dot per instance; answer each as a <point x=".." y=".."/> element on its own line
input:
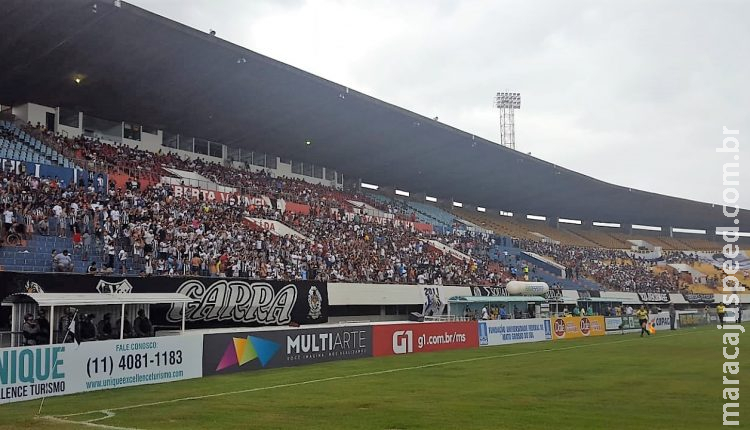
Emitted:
<point x="389" y="339"/>
<point x="217" y="302"/>
<point x="574" y="327"/>
<point x="247" y="351"/>
<point x="502" y="332"/>
<point x="33" y="372"/>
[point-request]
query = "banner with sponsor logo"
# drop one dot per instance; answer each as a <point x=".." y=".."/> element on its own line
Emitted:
<point x="693" y="320"/>
<point x="661" y="321"/>
<point x="389" y="339"/>
<point x="247" y="351"/>
<point x="630" y="322"/>
<point x="502" y="332"/>
<point x="32" y="372"/>
<point x="217" y="302"/>
<point x="698" y="298"/>
<point x="497" y="291"/>
<point x="613" y="323"/>
<point x="654" y="297"/>
<point x="575" y="327"/>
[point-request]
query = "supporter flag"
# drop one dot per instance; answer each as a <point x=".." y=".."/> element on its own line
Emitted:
<point x="72" y="330"/>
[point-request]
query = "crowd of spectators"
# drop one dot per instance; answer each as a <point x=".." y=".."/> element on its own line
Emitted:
<point x="614" y="269"/>
<point x="146" y="228"/>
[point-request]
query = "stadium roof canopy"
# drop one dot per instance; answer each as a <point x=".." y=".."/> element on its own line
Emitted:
<point x="142" y="68"/>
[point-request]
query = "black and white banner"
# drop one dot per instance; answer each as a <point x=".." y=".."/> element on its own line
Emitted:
<point x="433" y="304"/>
<point x="217" y="302"/>
<point x="498" y="291"/>
<point x="698" y="298"/>
<point x="654" y="297"/>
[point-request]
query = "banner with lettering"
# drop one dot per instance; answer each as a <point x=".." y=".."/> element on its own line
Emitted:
<point x="32" y="372"/>
<point x="217" y="302"/>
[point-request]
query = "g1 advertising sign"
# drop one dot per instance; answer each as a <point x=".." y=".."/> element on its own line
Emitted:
<point x="52" y="370"/>
<point x="502" y="332"/>
<point x="389" y="339"/>
<point x="575" y="327"/>
<point x="245" y="351"/>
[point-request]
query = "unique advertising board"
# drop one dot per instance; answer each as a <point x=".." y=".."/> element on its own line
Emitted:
<point x="217" y="302"/>
<point x="575" y="327"/>
<point x="247" y="351"/>
<point x="389" y="339"/>
<point x="503" y="332"/>
<point x="33" y="372"/>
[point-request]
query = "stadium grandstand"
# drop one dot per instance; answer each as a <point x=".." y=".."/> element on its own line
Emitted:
<point x="190" y="161"/>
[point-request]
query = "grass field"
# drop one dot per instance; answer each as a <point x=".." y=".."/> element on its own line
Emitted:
<point x="671" y="380"/>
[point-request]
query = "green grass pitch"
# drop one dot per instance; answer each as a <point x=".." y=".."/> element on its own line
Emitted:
<point x="671" y="380"/>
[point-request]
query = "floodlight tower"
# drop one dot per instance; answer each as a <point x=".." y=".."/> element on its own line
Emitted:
<point x="507" y="103"/>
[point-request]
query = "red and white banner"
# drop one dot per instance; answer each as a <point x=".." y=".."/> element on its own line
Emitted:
<point x="272" y="226"/>
<point x="411" y="225"/>
<point x="390" y="339"/>
<point x="223" y="197"/>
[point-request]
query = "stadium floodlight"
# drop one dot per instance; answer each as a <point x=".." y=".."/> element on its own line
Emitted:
<point x="458" y="204"/>
<point x="506" y="213"/>
<point x="536" y="217"/>
<point x="481" y="209"/>
<point x="508" y="102"/>
<point x="368" y="186"/>
<point x="402" y="193"/>
<point x="430" y="199"/>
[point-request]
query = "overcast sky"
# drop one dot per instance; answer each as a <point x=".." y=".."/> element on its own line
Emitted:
<point x="635" y="93"/>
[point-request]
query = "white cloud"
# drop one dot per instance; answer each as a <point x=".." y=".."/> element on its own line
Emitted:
<point x="634" y="93"/>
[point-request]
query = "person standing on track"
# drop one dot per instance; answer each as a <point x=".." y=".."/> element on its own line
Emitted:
<point x="642" y="315"/>
<point x="720" y="311"/>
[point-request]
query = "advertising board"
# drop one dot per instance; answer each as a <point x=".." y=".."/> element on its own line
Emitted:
<point x="502" y="332"/>
<point x="389" y="339"/>
<point x="32" y="372"/>
<point x="575" y="327"/>
<point x="247" y="351"/>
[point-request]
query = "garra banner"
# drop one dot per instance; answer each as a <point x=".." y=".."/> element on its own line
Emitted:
<point x="217" y="302"/>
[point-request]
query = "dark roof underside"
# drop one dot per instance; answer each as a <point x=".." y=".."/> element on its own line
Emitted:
<point x="143" y="68"/>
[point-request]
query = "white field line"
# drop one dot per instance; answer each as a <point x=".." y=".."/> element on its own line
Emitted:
<point x="337" y="378"/>
<point x="84" y="423"/>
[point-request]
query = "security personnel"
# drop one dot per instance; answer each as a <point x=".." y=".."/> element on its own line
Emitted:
<point x="720" y="311"/>
<point x="642" y="315"/>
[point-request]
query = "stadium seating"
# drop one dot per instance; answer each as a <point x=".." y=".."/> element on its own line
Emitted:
<point x="16" y="144"/>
